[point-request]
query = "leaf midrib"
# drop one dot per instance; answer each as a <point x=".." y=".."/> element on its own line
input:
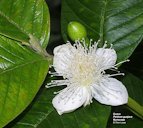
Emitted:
<point x="21" y="65"/>
<point x="13" y="23"/>
<point x="37" y="124"/>
<point x="102" y="21"/>
<point x="80" y="18"/>
<point x="122" y="10"/>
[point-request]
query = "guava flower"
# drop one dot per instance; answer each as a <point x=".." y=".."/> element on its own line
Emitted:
<point x="83" y="71"/>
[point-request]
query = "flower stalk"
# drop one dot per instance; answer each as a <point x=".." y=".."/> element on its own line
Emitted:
<point x="135" y="107"/>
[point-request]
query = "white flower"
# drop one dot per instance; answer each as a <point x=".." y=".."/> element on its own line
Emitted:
<point x="83" y="71"/>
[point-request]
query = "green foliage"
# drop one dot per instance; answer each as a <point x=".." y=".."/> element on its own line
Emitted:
<point x="43" y="115"/>
<point x="134" y="86"/>
<point x="22" y="70"/>
<point x="119" y="22"/>
<point x="19" y="18"/>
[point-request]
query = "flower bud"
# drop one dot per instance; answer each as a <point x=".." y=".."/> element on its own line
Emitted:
<point x="76" y="31"/>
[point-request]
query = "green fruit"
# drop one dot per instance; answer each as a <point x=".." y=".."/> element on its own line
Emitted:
<point x="76" y="31"/>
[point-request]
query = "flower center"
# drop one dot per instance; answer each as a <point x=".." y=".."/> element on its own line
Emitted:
<point x="83" y="70"/>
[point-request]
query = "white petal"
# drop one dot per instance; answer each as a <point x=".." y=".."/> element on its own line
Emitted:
<point x="106" y="58"/>
<point x="69" y="99"/>
<point x="63" y="55"/>
<point x="110" y="92"/>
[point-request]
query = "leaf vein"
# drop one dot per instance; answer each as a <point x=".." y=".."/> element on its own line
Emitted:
<point x="122" y="10"/>
<point x="88" y="8"/>
<point x="20" y="65"/>
<point x="12" y="22"/>
<point x="127" y="21"/>
<point x="84" y="22"/>
<point x="120" y="38"/>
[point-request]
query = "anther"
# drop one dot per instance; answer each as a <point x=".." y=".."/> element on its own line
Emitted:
<point x="50" y="66"/>
<point x="98" y="41"/>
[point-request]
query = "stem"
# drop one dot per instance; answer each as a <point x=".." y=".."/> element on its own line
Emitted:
<point x="136" y="108"/>
<point x="35" y="45"/>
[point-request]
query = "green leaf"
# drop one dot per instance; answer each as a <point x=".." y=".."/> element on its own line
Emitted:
<point x="10" y="30"/>
<point x="43" y="115"/>
<point x="120" y="23"/>
<point x="19" y="18"/>
<point x="22" y="71"/>
<point x="134" y="86"/>
<point x="135" y="89"/>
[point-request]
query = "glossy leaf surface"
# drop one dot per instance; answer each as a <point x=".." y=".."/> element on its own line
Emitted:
<point x="118" y="22"/>
<point x="22" y="72"/>
<point x="19" y="18"/>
